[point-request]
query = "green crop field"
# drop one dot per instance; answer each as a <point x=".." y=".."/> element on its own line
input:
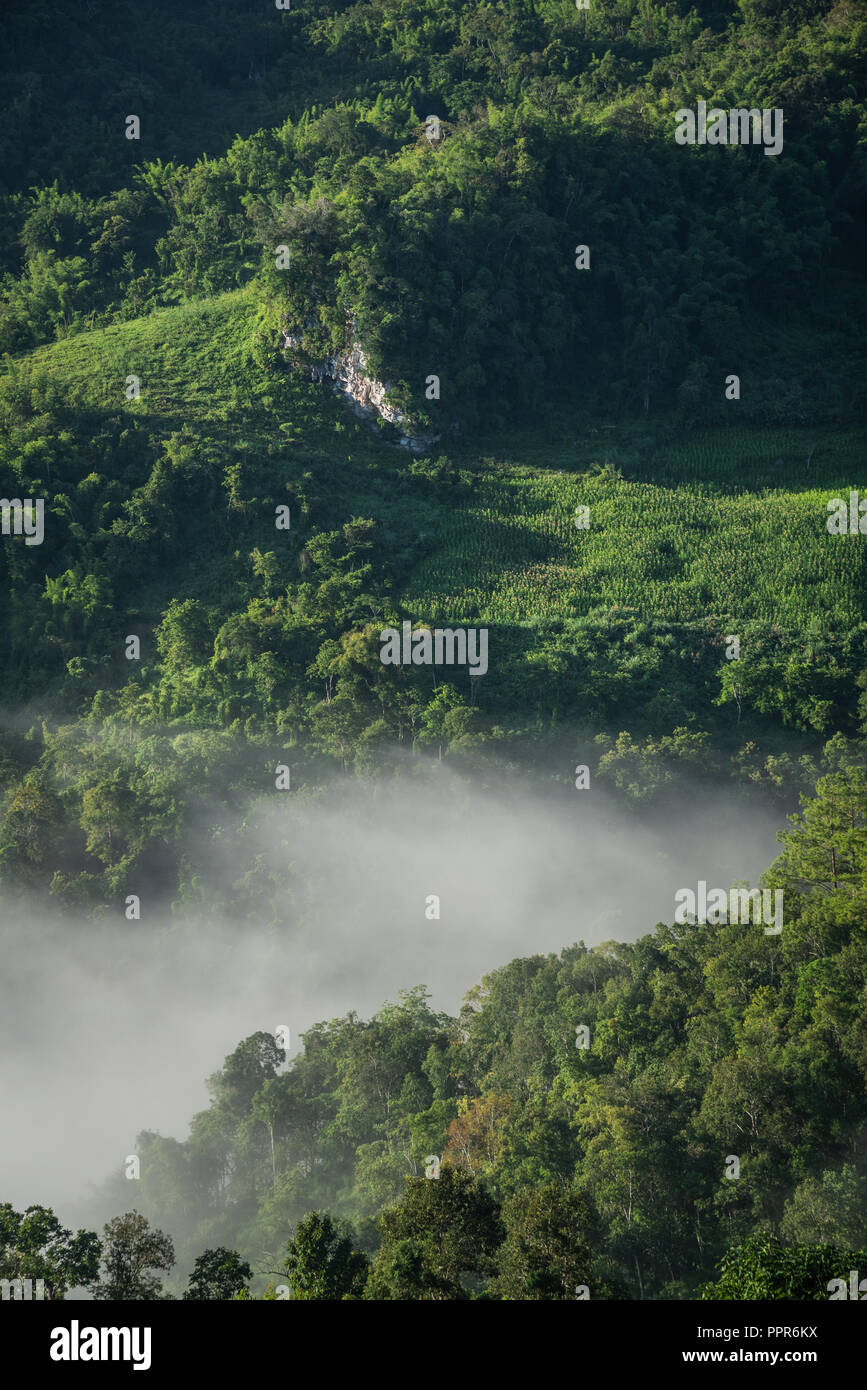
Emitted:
<point x="727" y="523"/>
<point x="676" y="551"/>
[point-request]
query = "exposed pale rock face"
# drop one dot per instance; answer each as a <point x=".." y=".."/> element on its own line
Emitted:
<point x="347" y="373"/>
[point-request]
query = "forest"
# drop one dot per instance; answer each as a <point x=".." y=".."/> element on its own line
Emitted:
<point x="200" y="215"/>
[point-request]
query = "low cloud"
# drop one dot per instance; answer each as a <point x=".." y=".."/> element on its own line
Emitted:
<point x="109" y="1028"/>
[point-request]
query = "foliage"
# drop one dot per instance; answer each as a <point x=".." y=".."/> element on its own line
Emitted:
<point x="762" y="1268"/>
<point x="218" y="1274"/>
<point x="435" y="1239"/>
<point x="34" y="1245"/>
<point x="130" y="1252"/>
<point x="321" y="1263"/>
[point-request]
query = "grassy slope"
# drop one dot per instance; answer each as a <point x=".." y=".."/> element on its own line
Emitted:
<point x="678" y="548"/>
<point x="705" y="523"/>
<point x="195" y="371"/>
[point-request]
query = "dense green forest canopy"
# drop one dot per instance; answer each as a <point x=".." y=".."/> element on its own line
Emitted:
<point x="456" y="256"/>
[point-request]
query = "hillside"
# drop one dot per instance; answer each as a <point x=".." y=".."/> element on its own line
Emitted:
<point x="728" y="522"/>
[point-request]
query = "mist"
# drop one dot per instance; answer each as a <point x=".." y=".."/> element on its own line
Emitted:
<point x="111" y="1027"/>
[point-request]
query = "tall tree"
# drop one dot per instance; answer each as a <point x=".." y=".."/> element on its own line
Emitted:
<point x="218" y="1274"/>
<point x="321" y="1262"/>
<point x="130" y="1253"/>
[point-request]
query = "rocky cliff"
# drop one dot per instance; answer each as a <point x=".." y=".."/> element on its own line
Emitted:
<point x="347" y="373"/>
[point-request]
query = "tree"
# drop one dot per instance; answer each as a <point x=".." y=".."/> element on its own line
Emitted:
<point x="761" y="1267"/>
<point x="404" y="1272"/>
<point x="446" y="717"/>
<point x="444" y="1230"/>
<point x="476" y="1134"/>
<point x="30" y="826"/>
<point x="321" y="1262"/>
<point x="545" y="1254"/>
<point x="109" y="816"/>
<point x="184" y="637"/>
<point x="830" y="1209"/>
<point x="245" y="1071"/>
<point x="131" y="1250"/>
<point x="218" y="1274"/>
<point x="828" y="847"/>
<point x="34" y="1245"/>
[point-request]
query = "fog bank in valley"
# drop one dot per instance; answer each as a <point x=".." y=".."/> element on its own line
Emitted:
<point x="111" y="1027"/>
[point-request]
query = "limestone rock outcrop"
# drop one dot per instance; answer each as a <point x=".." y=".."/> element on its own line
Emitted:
<point x="347" y="373"/>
